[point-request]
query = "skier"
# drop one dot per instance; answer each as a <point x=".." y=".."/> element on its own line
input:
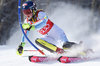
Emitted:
<point x="37" y="19"/>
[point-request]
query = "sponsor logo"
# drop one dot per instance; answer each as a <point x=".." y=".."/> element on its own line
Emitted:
<point x="25" y="4"/>
<point x="34" y="59"/>
<point x="45" y="29"/>
<point x="63" y="60"/>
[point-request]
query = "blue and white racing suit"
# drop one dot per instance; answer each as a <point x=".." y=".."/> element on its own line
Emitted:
<point x="52" y="33"/>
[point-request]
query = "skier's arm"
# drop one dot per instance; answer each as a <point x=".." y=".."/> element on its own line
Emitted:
<point x="23" y="38"/>
<point x="26" y="32"/>
<point x="42" y="20"/>
<point x="22" y="44"/>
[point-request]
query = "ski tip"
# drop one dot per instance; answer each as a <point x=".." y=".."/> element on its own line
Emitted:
<point x="36" y="59"/>
<point x="30" y="58"/>
<point x="65" y="59"/>
<point x="59" y="59"/>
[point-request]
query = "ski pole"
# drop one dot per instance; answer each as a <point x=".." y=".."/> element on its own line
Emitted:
<point x="32" y="50"/>
<point x="19" y="17"/>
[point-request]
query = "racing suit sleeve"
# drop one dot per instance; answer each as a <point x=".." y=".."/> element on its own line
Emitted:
<point x="23" y="38"/>
<point x="26" y="32"/>
<point x="41" y="20"/>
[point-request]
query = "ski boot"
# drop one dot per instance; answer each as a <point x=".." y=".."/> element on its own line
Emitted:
<point x="68" y="45"/>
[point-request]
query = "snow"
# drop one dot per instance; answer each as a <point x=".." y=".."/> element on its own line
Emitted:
<point x="8" y="57"/>
<point x="74" y="21"/>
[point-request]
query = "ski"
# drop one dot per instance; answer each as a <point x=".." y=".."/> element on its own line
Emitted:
<point x="36" y="59"/>
<point x="65" y="59"/>
<point x="62" y="59"/>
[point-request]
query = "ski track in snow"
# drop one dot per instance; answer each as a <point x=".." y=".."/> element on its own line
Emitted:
<point x="71" y="20"/>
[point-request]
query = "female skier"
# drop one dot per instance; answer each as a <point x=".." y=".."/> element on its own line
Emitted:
<point x="37" y="19"/>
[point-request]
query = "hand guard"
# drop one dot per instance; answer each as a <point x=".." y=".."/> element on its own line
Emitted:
<point x="20" y="49"/>
<point x="28" y="27"/>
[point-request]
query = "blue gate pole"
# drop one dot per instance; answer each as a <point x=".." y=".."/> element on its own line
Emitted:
<point x="19" y="17"/>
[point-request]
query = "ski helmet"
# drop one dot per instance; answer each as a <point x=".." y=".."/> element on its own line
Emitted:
<point x="28" y="8"/>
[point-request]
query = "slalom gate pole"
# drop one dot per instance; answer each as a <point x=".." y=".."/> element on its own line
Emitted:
<point x="19" y="17"/>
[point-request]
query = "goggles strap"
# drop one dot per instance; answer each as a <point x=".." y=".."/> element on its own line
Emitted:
<point x="34" y="19"/>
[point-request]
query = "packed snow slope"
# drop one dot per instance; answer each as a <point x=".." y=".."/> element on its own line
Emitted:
<point x="74" y="20"/>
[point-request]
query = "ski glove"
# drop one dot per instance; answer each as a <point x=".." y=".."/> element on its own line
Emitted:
<point x="28" y="27"/>
<point x="20" y="49"/>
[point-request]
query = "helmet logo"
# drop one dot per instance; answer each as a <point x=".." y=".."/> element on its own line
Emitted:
<point x="25" y="4"/>
<point x="34" y="4"/>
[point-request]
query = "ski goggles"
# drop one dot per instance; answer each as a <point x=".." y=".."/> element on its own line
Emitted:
<point x="27" y="12"/>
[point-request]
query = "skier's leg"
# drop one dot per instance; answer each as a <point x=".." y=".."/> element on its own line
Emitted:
<point x="59" y="35"/>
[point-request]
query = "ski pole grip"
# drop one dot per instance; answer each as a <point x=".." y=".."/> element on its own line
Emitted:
<point x="41" y="52"/>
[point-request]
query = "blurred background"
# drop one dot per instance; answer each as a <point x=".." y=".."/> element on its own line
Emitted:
<point x="9" y="15"/>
